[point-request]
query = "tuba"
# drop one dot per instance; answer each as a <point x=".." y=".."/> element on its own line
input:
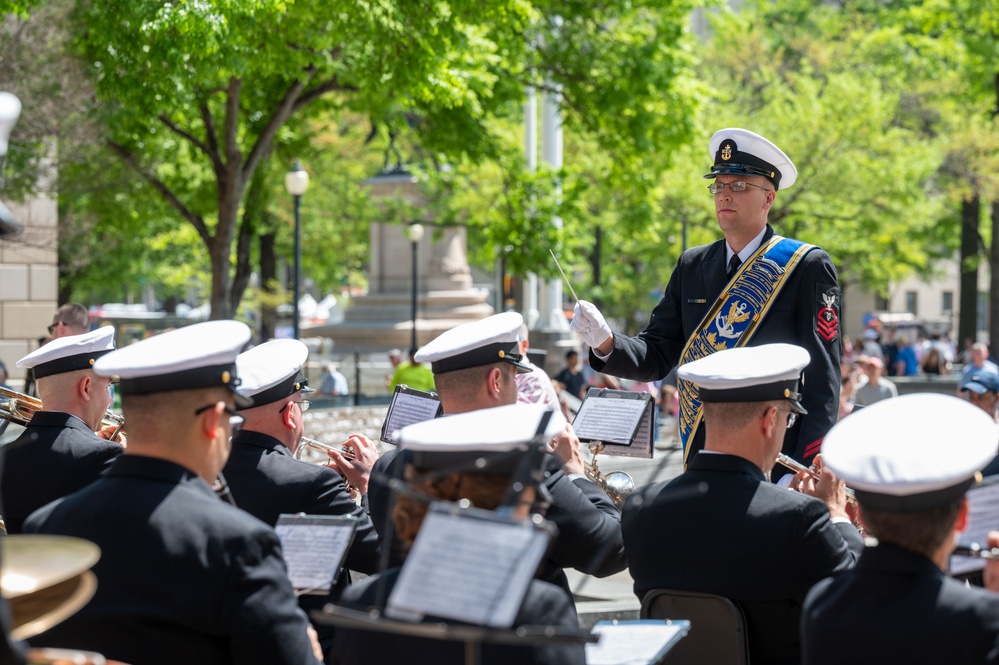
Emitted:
<point x="19" y="408"/>
<point x="616" y="484"/>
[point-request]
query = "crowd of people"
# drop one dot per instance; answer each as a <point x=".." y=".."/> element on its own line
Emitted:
<point x="186" y="506"/>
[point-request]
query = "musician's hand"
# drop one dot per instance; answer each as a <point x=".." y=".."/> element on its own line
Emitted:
<point x="592" y="328"/>
<point x="568" y="449"/>
<point x="317" y="650"/>
<point x="991" y="573"/>
<point x="107" y="431"/>
<point x="828" y="488"/>
<point x="356" y="471"/>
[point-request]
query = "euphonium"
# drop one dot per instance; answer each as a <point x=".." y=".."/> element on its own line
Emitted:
<point x="20" y="408"/>
<point x="616" y="484"/>
<point x="307" y="443"/>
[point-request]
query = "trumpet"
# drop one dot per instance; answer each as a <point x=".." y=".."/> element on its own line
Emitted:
<point x="311" y="444"/>
<point x="19" y="408"/>
<point x="616" y="484"/>
<point x="798" y="467"/>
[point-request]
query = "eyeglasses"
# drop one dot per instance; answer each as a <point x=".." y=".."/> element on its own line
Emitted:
<point x="792" y="417"/>
<point x="52" y="327"/>
<point x="235" y="420"/>
<point x="303" y="405"/>
<point x="737" y="186"/>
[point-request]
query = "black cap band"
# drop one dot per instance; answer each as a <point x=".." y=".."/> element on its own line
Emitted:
<point x="786" y="390"/>
<point x="69" y="363"/>
<point x="483" y="355"/>
<point x="293" y="384"/>
<point x="216" y="376"/>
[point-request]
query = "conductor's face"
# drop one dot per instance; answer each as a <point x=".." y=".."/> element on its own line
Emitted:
<point x="745" y="211"/>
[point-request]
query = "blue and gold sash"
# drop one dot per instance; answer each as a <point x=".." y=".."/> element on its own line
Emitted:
<point x="735" y="317"/>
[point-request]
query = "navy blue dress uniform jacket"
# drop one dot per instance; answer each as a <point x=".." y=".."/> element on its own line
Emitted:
<point x="798" y="316"/>
<point x="760" y="545"/>
<point x="589" y="524"/>
<point x="183" y="576"/>
<point x="544" y="605"/>
<point x="266" y="481"/>
<point x="898" y="607"/>
<point x="56" y="454"/>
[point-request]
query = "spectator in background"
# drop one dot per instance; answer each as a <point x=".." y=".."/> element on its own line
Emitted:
<point x="877" y="387"/>
<point x="847" y="393"/>
<point x="3" y="376"/>
<point x="572" y="376"/>
<point x="982" y="390"/>
<point x="871" y="346"/>
<point x="934" y="362"/>
<point x="979" y="363"/>
<point x="534" y="387"/>
<point x="890" y="346"/>
<point x="70" y="319"/>
<point x="906" y="362"/>
<point x="332" y="382"/>
<point x="413" y="374"/>
<point x="395" y="357"/>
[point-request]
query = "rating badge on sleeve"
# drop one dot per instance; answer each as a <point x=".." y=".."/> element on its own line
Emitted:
<point x="827" y="324"/>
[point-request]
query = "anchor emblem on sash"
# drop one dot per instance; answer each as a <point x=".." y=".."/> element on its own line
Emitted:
<point x="726" y="324"/>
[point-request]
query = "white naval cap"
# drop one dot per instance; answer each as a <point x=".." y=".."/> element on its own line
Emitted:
<point x="741" y="152"/>
<point x="489" y="340"/>
<point x="202" y="355"/>
<point x="496" y="436"/>
<point x="273" y="370"/>
<point x="912" y="452"/>
<point x="68" y="354"/>
<point x="750" y="374"/>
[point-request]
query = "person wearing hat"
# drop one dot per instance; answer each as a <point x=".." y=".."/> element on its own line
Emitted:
<point x="746" y="539"/>
<point x="473" y="457"/>
<point x="183" y="575"/>
<point x="265" y="478"/>
<point x="757" y="287"/>
<point x="59" y="452"/>
<point x="877" y="387"/>
<point x="898" y="605"/>
<point x="982" y="389"/>
<point x="475" y="367"/>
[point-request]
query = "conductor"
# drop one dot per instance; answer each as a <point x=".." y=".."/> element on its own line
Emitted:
<point x="752" y="287"/>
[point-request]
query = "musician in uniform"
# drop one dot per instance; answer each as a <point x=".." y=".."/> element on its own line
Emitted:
<point x="757" y="544"/>
<point x="899" y="605"/>
<point x="183" y="576"/>
<point x="474" y="366"/>
<point x="750" y="288"/>
<point x="59" y="452"/>
<point x="265" y="478"/>
<point x="474" y="457"/>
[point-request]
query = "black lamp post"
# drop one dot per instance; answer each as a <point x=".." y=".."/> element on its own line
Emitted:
<point x="414" y="232"/>
<point x="296" y="181"/>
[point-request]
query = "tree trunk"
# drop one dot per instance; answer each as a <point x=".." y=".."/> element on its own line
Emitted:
<point x="994" y="279"/>
<point x="968" y="318"/>
<point x="268" y="278"/>
<point x="231" y="188"/>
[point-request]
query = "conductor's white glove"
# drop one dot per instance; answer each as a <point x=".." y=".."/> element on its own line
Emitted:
<point x="590" y="324"/>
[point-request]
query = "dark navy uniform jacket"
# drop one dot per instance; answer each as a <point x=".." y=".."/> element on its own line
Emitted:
<point x="898" y="607"/>
<point x="183" y="576"/>
<point x="56" y="454"/>
<point x="801" y="314"/>
<point x="746" y="539"/>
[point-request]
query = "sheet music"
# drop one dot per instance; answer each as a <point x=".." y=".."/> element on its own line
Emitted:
<point x="982" y="518"/>
<point x="313" y="547"/>
<point x="634" y="642"/>
<point x="408" y="408"/>
<point x="610" y="420"/>
<point x="468" y="568"/>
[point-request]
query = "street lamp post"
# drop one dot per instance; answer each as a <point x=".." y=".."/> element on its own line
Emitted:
<point x="296" y="181"/>
<point x="414" y="232"/>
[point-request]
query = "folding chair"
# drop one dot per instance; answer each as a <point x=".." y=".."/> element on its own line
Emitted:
<point x="717" y="626"/>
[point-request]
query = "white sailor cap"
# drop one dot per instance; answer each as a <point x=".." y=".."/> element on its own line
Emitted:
<point x="911" y="453"/>
<point x="202" y="355"/>
<point x="483" y="441"/>
<point x="750" y="374"/>
<point x="68" y="354"/>
<point x="741" y="152"/>
<point x="489" y="340"/>
<point x="273" y="371"/>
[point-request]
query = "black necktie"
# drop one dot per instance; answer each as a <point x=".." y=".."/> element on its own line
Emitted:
<point x="733" y="265"/>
